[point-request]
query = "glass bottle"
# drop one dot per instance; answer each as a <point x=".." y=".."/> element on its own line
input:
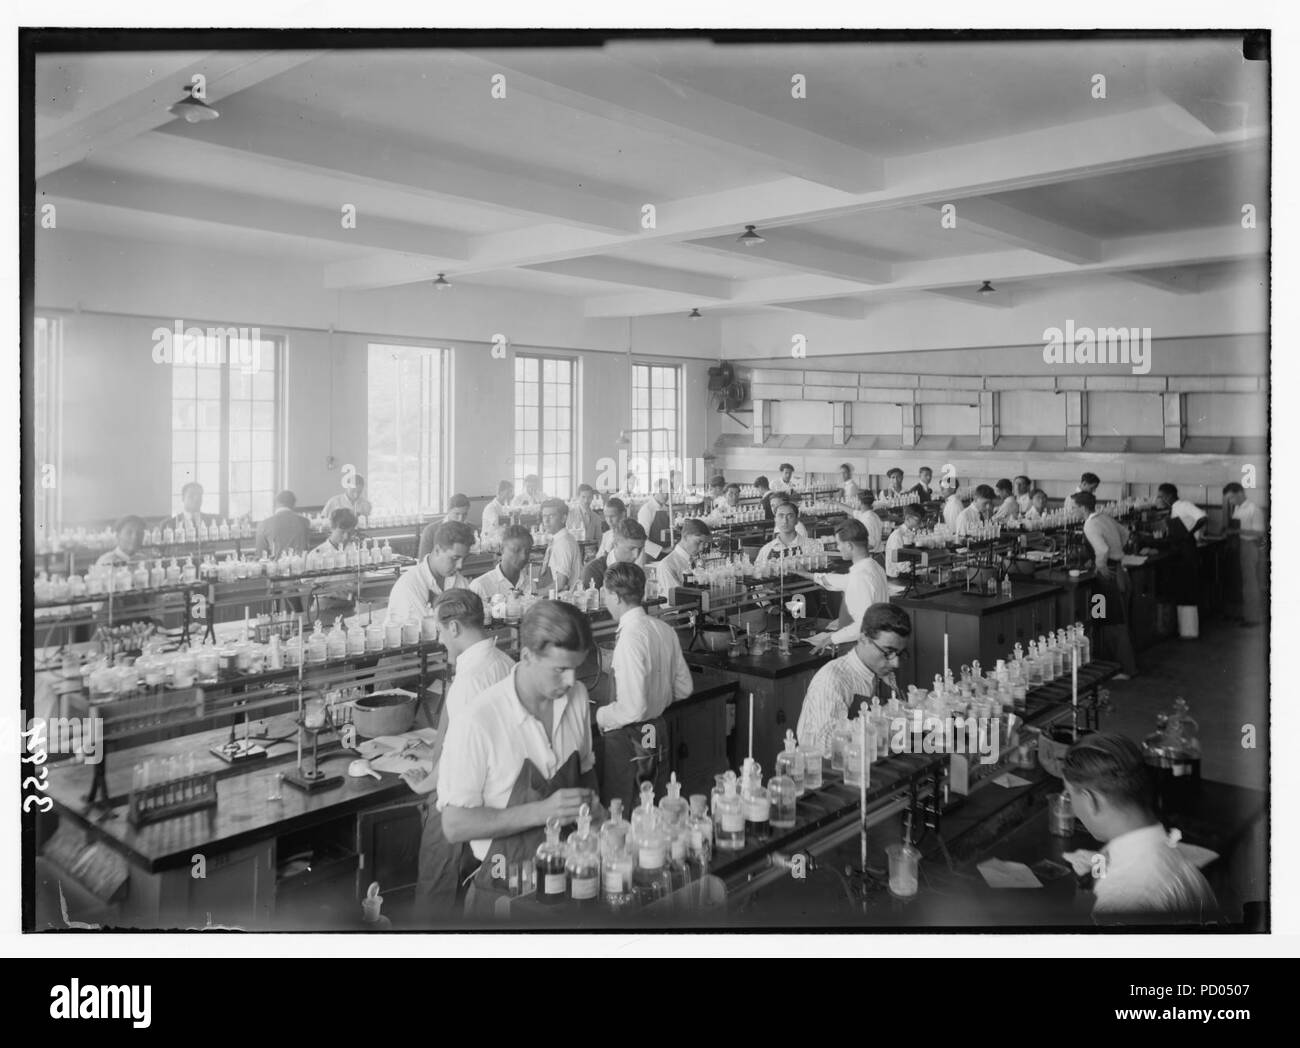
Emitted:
<point x="336" y="642"/>
<point x="650" y="847"/>
<point x="757" y="807"/>
<point x="730" y="825"/>
<point x="839" y="743"/>
<point x="675" y="812"/>
<point x="582" y="863"/>
<point x="812" y="762"/>
<point x="549" y="863"/>
<point x="782" y="795"/>
<point x="879" y="723"/>
<point x="858" y="753"/>
<point x="140" y="577"/>
<point x="356" y="639"/>
<point x="791" y="762"/>
<point x="700" y="852"/>
<point x="615" y="859"/>
<point x="1035" y="665"/>
<point x="157" y="575"/>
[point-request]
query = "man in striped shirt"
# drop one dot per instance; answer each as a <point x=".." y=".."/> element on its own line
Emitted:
<point x="881" y="646"/>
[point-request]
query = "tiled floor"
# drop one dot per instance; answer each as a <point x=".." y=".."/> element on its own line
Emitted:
<point x="1223" y="676"/>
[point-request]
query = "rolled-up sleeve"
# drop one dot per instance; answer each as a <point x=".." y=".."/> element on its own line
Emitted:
<point x="463" y="767"/>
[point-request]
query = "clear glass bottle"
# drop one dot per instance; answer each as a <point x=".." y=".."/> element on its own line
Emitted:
<point x="650" y="848"/>
<point x="700" y="852"/>
<point x="1085" y="644"/>
<point x="189" y="573"/>
<point x="754" y="800"/>
<point x="879" y="723"/>
<point x="730" y="823"/>
<point x="839" y="743"/>
<point x="782" y="796"/>
<point x="549" y="862"/>
<point x="812" y="762"/>
<point x="858" y="753"/>
<point x="157" y="575"/>
<point x="356" y="639"/>
<point x="675" y="812"/>
<point x="582" y="863"/>
<point x="616" y="859"/>
<point x="791" y="762"/>
<point x="1035" y="666"/>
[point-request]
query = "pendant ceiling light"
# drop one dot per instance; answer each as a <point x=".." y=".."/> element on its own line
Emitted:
<point x="750" y="238"/>
<point x="442" y="283"/>
<point x="693" y="314"/>
<point x="192" y="110"/>
<point x="986" y="288"/>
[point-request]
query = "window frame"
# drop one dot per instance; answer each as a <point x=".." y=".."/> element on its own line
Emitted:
<point x="570" y="451"/>
<point x="435" y="452"/>
<point x="644" y="436"/>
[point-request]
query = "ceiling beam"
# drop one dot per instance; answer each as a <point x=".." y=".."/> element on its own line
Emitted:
<point x="1174" y="281"/>
<point x="971" y="296"/>
<point x="136" y="113"/>
<point x="296" y="139"/>
<point x="841" y="308"/>
<point x="87" y="184"/>
<point x="618" y="88"/>
<point x="637" y="274"/>
<point x="1015" y="228"/>
<point x="805" y="253"/>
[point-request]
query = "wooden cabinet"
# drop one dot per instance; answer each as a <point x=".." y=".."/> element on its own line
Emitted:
<point x="697" y="743"/>
<point x="388" y="841"/>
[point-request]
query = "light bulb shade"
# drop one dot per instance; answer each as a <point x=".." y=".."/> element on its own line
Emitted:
<point x="442" y="283"/>
<point x="192" y="111"/>
<point x="750" y="238"/>
<point x="987" y="288"/>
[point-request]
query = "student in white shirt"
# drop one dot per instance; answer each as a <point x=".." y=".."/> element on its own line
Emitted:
<point x="1037" y="505"/>
<point x="457" y="510"/>
<point x="867" y="516"/>
<point x="496" y="514"/>
<point x="727" y="506"/>
<point x="786" y="540"/>
<point x="628" y="548"/>
<point x="584" y="521"/>
<point x="922" y="488"/>
<point x="850" y="487"/>
<point x="511" y="572"/>
<point x="1108" y="537"/>
<point x="1008" y="507"/>
<point x="976" y="512"/>
<point x="864" y="584"/>
<point x="1024" y="493"/>
<point x="418" y="585"/>
<point x="353" y="498"/>
<point x="649" y="675"/>
<point x="336" y="597"/>
<point x="953" y="505"/>
<point x="522" y="754"/>
<point x="898" y="538"/>
<point x="671" y="571"/>
<point x="479" y="664"/>
<point x="562" y="565"/>
<point x="130" y="534"/>
<point x="1251" y="530"/>
<point x="1140" y="876"/>
<point x="655" y="518"/>
<point x="615" y="510"/>
<point x="785" y="481"/>
<point x="1088" y="482"/>
<point x="881" y="646"/>
<point x="1192" y="516"/>
<point x="532" y="495"/>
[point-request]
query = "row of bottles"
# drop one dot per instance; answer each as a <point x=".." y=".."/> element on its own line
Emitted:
<point x="223" y="531"/>
<point x="1053" y="518"/>
<point x="1051" y="656"/>
<point x="100" y="580"/>
<point x="896" y="500"/>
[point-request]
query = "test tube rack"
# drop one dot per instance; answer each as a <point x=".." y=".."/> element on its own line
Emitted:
<point x="165" y="800"/>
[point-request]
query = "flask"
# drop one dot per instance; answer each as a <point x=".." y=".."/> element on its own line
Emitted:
<point x="791" y="762"/>
<point x="549" y="863"/>
<point x="615" y="859"/>
<point x="731" y="817"/>
<point x="582" y="863"/>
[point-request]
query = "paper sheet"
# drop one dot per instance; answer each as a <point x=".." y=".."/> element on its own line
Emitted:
<point x="399" y="753"/>
<point x="1010" y="782"/>
<point x="1000" y="874"/>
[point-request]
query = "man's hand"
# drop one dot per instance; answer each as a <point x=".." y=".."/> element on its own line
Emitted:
<point x="565" y="803"/>
<point x="820" y="641"/>
<point x="420" y="781"/>
<point x="1103" y="570"/>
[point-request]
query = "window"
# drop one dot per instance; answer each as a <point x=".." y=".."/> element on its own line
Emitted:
<point x="544" y="422"/>
<point x="408" y="450"/>
<point x="656" y="423"/>
<point x="226" y="423"/>
<point x="47" y="423"/>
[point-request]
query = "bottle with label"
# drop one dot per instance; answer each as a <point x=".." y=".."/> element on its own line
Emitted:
<point x="782" y="796"/>
<point x="650" y="848"/>
<point x="700" y="851"/>
<point x="549" y="864"/>
<point x="791" y="762"/>
<point x="757" y="806"/>
<point x="730" y="822"/>
<point x="582" y="863"/>
<point x="616" y="859"/>
<point x="592" y="602"/>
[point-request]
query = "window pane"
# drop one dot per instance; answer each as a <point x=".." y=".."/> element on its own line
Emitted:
<point x="209" y="382"/>
<point x="241" y="385"/>
<point x="563" y="420"/>
<point x="530" y="394"/>
<point x="551" y="442"/>
<point x="549" y="418"/>
<point x="563" y="395"/>
<point x="241" y="415"/>
<point x="530" y="419"/>
<point x="264" y="377"/>
<point x="530" y="369"/>
<point x="209" y="415"/>
<point x="263" y="475"/>
<point x="263" y="415"/>
<point x="184" y="414"/>
<point x="210" y="477"/>
<point x="182" y="382"/>
<point x="241" y="446"/>
<point x="548" y="370"/>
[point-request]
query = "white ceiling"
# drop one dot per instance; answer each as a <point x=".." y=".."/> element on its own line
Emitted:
<point x="545" y="189"/>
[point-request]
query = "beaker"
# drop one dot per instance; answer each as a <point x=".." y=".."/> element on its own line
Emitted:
<point x="1060" y="815"/>
<point x="903" y="865"/>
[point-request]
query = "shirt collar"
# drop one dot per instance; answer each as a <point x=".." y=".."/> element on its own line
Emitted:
<point x="475" y="653"/>
<point x="1132" y="844"/>
<point x="520" y="714"/>
<point x="630" y="618"/>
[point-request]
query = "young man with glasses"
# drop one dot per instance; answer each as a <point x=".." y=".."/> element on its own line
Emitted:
<point x="839" y="688"/>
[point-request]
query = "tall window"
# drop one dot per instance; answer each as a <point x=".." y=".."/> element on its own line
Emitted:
<point x="407" y="453"/>
<point x="47" y="424"/>
<point x="656" y="423"/>
<point x="545" y="395"/>
<point x="226" y="424"/>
